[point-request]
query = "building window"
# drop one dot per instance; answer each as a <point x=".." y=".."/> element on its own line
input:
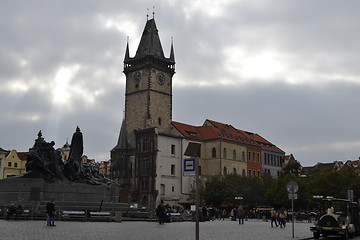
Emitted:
<point x="265" y="158"/>
<point x="225" y="171"/>
<point x="173" y="189"/>
<point x="213" y="153"/>
<point x="224" y="153"/>
<point x="162" y="189"/>
<point x="258" y="173"/>
<point x="172" y="149"/>
<point x="15" y="164"/>
<point x="234" y="155"/>
<point x="243" y="172"/>
<point x="258" y="157"/>
<point x="172" y="169"/>
<point x="243" y="156"/>
<point x="159" y="121"/>
<point x="249" y="175"/>
<point x="249" y="156"/>
<point x="144" y="165"/>
<point x="9" y="164"/>
<point x="254" y="159"/>
<point x="234" y="171"/>
<point x="145" y="147"/>
<point x="146" y="187"/>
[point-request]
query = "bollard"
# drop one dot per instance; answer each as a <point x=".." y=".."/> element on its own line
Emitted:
<point x="118" y="216"/>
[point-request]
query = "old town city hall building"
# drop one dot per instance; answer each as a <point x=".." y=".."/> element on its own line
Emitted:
<point x="148" y="158"/>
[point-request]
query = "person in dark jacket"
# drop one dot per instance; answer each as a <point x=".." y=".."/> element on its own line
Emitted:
<point x="51" y="212"/>
<point x="161" y="212"/>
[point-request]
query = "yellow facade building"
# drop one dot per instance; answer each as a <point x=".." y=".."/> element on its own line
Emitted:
<point x="13" y="164"/>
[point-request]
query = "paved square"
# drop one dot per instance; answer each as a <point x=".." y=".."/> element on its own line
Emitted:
<point x="37" y="230"/>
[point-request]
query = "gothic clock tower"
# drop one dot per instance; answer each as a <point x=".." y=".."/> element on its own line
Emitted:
<point x="148" y="96"/>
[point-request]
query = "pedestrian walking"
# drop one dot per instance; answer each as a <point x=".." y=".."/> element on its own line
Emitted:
<point x="51" y="213"/>
<point x="273" y="218"/>
<point x="161" y="212"/>
<point x="282" y="218"/>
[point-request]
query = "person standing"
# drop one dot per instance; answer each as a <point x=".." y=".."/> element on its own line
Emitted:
<point x="160" y="212"/>
<point x="241" y="214"/>
<point x="51" y="212"/>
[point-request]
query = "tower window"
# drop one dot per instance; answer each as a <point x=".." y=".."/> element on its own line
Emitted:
<point x="146" y="144"/>
<point x="159" y="121"/>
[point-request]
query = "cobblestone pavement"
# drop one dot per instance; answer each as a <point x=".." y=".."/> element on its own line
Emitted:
<point x="37" y="230"/>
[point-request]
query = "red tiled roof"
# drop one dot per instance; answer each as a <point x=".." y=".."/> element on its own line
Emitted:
<point x="216" y="130"/>
<point x="22" y="155"/>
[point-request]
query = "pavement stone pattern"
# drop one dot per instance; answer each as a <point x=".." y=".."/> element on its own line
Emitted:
<point x="134" y="230"/>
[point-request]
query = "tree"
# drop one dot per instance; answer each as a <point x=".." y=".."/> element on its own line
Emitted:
<point x="292" y="168"/>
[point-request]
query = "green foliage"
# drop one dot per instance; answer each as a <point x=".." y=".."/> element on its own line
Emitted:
<point x="223" y="190"/>
<point x="268" y="191"/>
<point x="292" y="168"/>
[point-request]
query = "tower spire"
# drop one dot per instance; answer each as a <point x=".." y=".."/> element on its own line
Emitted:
<point x="127" y="54"/>
<point x="172" y="56"/>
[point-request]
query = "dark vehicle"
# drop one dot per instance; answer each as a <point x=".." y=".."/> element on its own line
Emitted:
<point x="338" y="217"/>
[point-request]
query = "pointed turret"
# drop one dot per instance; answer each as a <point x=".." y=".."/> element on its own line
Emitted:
<point x="149" y="51"/>
<point x="150" y="41"/>
<point x="122" y="141"/>
<point x="127" y="54"/>
<point x="172" y="56"/>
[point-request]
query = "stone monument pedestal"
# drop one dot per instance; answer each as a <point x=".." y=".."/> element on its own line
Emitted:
<point x="32" y="191"/>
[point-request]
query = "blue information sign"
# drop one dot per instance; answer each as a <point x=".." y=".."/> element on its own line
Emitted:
<point x="189" y="167"/>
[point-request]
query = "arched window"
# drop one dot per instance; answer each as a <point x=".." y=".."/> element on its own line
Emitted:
<point x="234" y="155"/>
<point x="224" y="153"/>
<point x="234" y="171"/>
<point x="213" y="152"/>
<point x="243" y="156"/>
<point x="225" y="171"/>
<point x="244" y="173"/>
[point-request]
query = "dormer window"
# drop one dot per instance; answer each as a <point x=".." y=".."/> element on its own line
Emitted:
<point x="193" y="134"/>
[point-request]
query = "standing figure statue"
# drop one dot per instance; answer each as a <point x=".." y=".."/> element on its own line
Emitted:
<point x="73" y="166"/>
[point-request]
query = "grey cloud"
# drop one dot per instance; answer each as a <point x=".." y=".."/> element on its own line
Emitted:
<point x="318" y="38"/>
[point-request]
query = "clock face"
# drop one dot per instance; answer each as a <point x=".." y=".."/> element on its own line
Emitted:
<point x="137" y="78"/>
<point x="160" y="78"/>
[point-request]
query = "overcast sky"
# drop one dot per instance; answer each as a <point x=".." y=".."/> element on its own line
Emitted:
<point x="287" y="70"/>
